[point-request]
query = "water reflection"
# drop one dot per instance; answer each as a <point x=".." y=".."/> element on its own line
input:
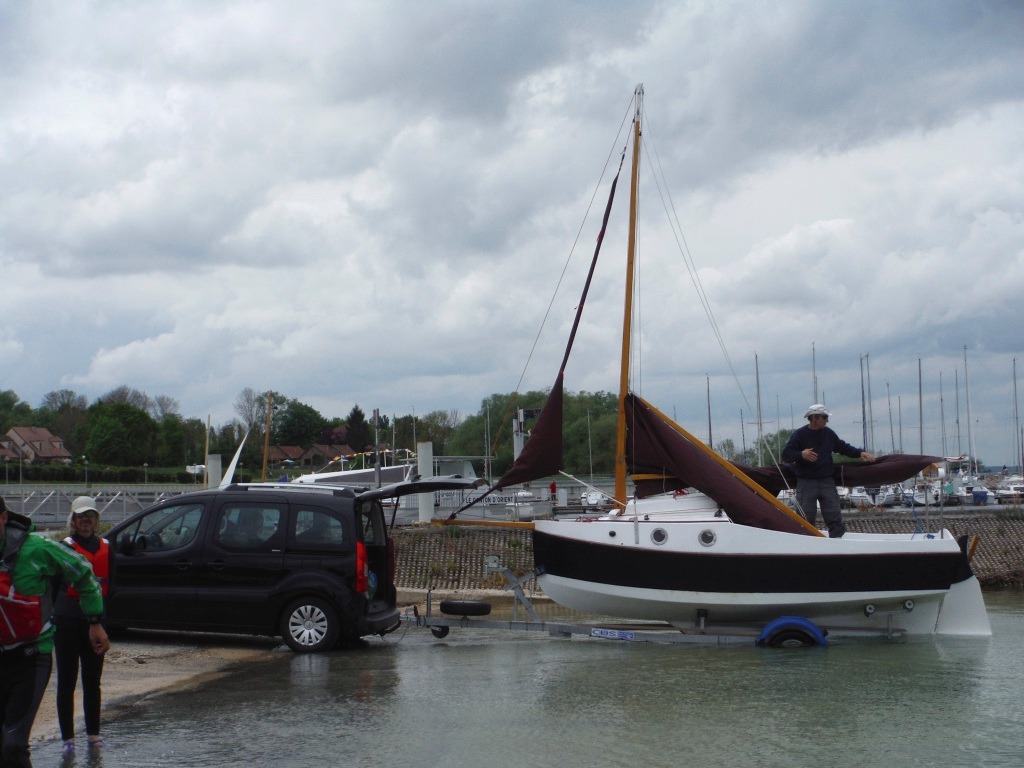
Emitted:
<point x="494" y="698"/>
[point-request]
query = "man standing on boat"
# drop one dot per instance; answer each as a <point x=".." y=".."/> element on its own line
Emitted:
<point x="810" y="451"/>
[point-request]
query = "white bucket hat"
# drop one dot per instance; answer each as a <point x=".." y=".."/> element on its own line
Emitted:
<point x="817" y="410"/>
<point x="81" y="505"/>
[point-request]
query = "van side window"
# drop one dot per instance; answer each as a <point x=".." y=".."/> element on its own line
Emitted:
<point x="318" y="528"/>
<point x="249" y="527"/>
<point x="166" y="528"/>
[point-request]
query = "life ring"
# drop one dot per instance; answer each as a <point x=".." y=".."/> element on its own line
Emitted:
<point x="791" y="632"/>
<point x="465" y="607"/>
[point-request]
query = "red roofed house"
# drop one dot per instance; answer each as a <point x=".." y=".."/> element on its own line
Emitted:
<point x="36" y="445"/>
<point x="279" y="454"/>
<point x="319" y="455"/>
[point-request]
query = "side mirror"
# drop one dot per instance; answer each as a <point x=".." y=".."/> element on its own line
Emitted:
<point x="125" y="544"/>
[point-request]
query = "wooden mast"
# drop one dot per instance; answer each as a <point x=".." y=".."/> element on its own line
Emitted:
<point x="627" y="316"/>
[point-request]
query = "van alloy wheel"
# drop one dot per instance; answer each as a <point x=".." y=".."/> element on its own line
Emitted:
<point x="310" y="624"/>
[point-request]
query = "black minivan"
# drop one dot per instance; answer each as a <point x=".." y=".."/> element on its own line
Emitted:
<point x="314" y="564"/>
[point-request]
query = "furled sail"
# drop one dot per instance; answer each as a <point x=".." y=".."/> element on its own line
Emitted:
<point x="885" y="470"/>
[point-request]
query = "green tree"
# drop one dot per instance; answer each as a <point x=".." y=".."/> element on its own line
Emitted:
<point x="296" y="423"/>
<point x="170" y="449"/>
<point x="437" y="427"/>
<point x="589" y="432"/>
<point x="130" y="396"/>
<point x="65" y="414"/>
<point x="193" y="445"/>
<point x="727" y="450"/>
<point x="120" y="434"/>
<point x="13" y="411"/>
<point x="360" y="431"/>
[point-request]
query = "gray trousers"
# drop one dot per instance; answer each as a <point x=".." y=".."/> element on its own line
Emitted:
<point x="809" y="492"/>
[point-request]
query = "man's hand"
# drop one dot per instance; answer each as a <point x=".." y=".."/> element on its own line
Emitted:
<point x="867" y="456"/>
<point x="98" y="639"/>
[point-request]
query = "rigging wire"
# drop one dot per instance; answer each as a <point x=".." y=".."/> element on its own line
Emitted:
<point x="677" y="232"/>
<point x="626" y="120"/>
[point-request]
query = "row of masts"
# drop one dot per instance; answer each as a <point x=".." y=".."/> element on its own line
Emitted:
<point x="868" y="419"/>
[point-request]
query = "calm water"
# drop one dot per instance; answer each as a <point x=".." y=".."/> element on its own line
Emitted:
<point x="492" y="698"/>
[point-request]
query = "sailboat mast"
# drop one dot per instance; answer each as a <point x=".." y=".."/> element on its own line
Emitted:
<point x="1018" y="449"/>
<point x="627" y="315"/>
<point x="942" y="416"/>
<point x="814" y="375"/>
<point x="871" y="412"/>
<point x="708" y="377"/>
<point x="760" y="418"/>
<point x="863" y="409"/>
<point x="972" y="455"/>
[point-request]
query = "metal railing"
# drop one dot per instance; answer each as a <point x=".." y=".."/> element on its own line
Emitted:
<point x="49" y="506"/>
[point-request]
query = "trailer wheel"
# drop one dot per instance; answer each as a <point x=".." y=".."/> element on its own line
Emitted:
<point x="440" y="632"/>
<point x="791" y="632"/>
<point x="465" y="607"/>
<point x="790" y="638"/>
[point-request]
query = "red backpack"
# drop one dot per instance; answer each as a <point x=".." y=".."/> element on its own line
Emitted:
<point x="22" y="617"/>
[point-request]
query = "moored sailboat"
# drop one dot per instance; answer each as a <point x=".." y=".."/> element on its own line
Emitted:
<point x="707" y="541"/>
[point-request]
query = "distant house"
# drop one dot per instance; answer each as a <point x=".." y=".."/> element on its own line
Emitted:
<point x="35" y="445"/>
<point x="319" y="455"/>
<point x="7" y="450"/>
<point x="278" y="455"/>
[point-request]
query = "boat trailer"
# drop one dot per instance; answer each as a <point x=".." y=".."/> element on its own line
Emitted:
<point x="785" y="631"/>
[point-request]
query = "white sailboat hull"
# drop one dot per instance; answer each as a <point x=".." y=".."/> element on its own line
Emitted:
<point x="655" y="570"/>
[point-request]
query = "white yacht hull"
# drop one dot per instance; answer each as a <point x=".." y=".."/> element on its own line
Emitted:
<point x="708" y="568"/>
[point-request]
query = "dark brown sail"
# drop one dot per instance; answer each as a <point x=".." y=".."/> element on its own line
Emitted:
<point x="656" y="448"/>
<point x="885" y="470"/>
<point x="542" y="454"/>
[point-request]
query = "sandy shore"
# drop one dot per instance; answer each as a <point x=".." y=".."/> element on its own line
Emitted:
<point x="140" y="665"/>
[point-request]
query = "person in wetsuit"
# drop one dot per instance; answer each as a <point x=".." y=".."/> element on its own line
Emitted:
<point x="30" y="568"/>
<point x="72" y="647"/>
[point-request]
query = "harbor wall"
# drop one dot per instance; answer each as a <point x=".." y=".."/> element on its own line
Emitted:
<point x="450" y="559"/>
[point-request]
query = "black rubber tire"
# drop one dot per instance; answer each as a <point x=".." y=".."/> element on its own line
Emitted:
<point x="790" y="638"/>
<point x="440" y="632"/>
<point x="465" y="607"/>
<point x="310" y="624"/>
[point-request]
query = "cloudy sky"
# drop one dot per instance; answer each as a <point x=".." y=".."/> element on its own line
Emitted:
<point x="373" y="204"/>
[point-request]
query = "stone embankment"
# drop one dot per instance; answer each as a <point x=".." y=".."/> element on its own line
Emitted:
<point x="450" y="559"/>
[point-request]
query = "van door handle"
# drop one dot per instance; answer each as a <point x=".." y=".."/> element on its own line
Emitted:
<point x="183" y="565"/>
<point x="218" y="565"/>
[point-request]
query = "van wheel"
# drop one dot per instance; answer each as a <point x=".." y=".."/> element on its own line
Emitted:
<point x="310" y="624"/>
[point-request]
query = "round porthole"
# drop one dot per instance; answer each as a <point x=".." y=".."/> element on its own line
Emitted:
<point x="707" y="537"/>
<point x="659" y="536"/>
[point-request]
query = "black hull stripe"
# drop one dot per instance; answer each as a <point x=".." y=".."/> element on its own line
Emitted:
<point x="654" y="569"/>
